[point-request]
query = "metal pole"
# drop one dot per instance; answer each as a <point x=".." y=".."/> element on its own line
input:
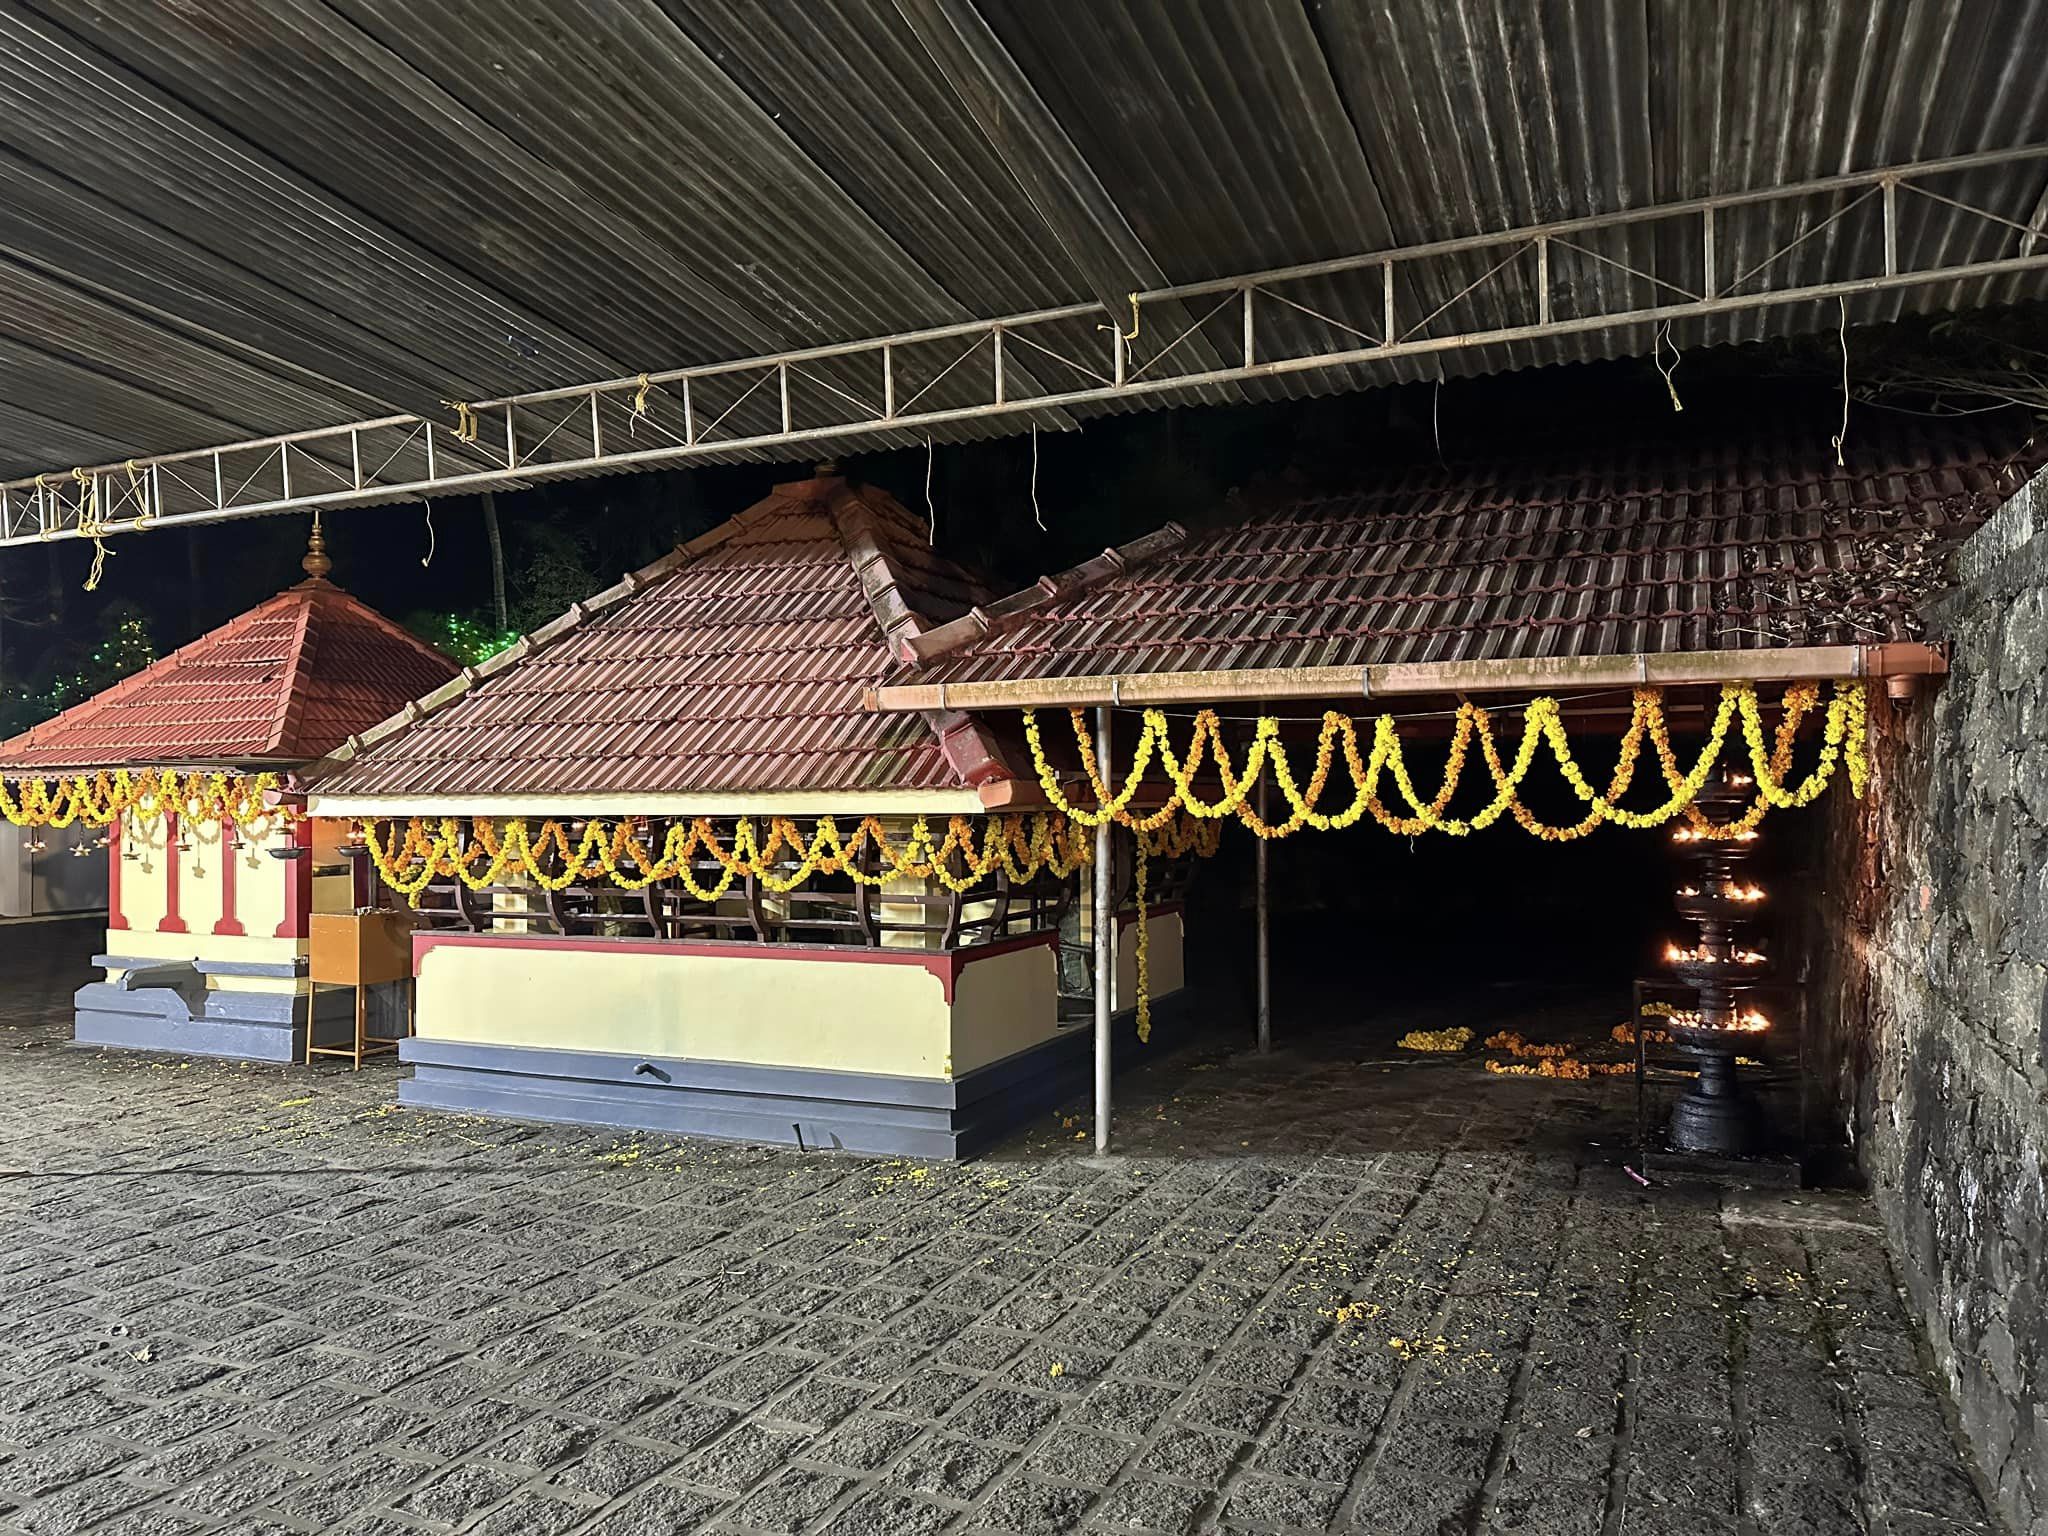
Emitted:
<point x="1105" y="945"/>
<point x="1265" y="938"/>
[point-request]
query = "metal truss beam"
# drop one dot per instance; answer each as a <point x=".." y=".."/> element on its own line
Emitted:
<point x="1651" y="266"/>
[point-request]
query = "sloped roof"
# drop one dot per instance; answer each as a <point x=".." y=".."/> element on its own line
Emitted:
<point x="1740" y="546"/>
<point x="736" y="664"/>
<point x="287" y="681"/>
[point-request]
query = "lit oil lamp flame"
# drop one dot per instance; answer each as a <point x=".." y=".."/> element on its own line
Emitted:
<point x="1747" y="1022"/>
<point x="1674" y="955"/>
<point x="1728" y="892"/>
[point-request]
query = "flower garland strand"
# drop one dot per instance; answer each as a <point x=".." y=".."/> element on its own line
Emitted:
<point x="101" y="799"/>
<point x="781" y="859"/>
<point x="1844" y="745"/>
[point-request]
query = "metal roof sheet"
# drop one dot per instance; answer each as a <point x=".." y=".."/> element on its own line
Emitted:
<point x="287" y="681"/>
<point x="294" y="213"/>
<point x="1738" y="546"/>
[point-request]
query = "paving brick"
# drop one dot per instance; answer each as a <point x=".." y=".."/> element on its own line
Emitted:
<point x="1315" y="1296"/>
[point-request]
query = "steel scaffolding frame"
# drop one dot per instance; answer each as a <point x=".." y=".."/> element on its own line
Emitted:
<point x="1242" y="328"/>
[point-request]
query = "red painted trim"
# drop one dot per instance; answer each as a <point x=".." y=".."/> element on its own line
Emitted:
<point x="944" y="964"/>
<point x="172" y="921"/>
<point x="230" y="922"/>
<point x="114" y="861"/>
<point x="360" y="893"/>
<point x="298" y="889"/>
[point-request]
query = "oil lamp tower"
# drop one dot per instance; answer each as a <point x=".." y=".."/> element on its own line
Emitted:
<point x="1721" y="966"/>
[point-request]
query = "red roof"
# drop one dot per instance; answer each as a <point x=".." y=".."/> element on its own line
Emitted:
<point x="289" y="680"/>
<point x="736" y="664"/>
<point x="1751" y="545"/>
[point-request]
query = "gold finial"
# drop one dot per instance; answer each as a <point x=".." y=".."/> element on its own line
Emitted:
<point x="316" y="564"/>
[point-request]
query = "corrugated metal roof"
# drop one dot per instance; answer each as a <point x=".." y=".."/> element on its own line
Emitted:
<point x="261" y="215"/>
<point x="737" y="664"/>
<point x="1739" y="547"/>
<point x="286" y="682"/>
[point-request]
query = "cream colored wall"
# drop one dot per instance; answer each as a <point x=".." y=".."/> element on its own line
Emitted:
<point x="1004" y="1003"/>
<point x="1167" y="963"/>
<point x="142" y="881"/>
<point x="261" y="891"/>
<point x="848" y="1016"/>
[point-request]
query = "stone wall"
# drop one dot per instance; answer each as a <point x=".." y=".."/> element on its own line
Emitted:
<point x="1930" y="992"/>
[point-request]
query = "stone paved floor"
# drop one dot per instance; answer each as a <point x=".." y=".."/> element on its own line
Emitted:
<point x="1311" y="1295"/>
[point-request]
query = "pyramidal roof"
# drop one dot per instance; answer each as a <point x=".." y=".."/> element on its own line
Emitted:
<point x="284" y="683"/>
<point x="737" y="664"/>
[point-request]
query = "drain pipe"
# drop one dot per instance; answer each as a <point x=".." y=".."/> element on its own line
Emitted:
<point x="1105" y="945"/>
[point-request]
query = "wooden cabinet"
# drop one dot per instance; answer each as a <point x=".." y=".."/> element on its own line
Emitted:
<point x="358" y="950"/>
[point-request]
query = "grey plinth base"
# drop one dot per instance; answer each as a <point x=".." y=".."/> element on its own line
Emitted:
<point x="779" y="1106"/>
<point x="165" y="1005"/>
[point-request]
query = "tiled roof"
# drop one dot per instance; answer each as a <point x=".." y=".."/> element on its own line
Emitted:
<point x="736" y="664"/>
<point x="1752" y="545"/>
<point x="287" y="681"/>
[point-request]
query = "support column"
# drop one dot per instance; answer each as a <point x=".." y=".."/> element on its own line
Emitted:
<point x="173" y="920"/>
<point x="230" y="920"/>
<point x="116" y="856"/>
<point x="298" y="890"/>
<point x="1105" y="942"/>
<point x="1265" y="927"/>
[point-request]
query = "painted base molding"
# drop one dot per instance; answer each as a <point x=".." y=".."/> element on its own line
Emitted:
<point x="778" y="1106"/>
<point x="166" y="1005"/>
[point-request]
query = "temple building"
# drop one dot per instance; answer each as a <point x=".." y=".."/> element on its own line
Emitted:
<point x="211" y="887"/>
<point x="566" y="820"/>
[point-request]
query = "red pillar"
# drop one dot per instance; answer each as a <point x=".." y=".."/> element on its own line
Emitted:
<point x="298" y="891"/>
<point x="114" y="917"/>
<point x="230" y="920"/>
<point x="172" y="922"/>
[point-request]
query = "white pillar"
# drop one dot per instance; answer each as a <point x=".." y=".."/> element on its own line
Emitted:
<point x="1105" y="942"/>
<point x="1265" y="937"/>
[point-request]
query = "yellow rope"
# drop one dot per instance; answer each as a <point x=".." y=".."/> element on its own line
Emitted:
<point x="90" y="526"/>
<point x="145" y="514"/>
<point x="466" y="429"/>
<point x="1137" y="321"/>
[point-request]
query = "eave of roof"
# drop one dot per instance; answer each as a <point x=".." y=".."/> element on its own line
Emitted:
<point x="1503" y="675"/>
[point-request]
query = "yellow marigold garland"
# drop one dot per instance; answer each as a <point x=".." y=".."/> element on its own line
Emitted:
<point x="100" y="799"/>
<point x="1844" y="744"/>
<point x="781" y="860"/>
